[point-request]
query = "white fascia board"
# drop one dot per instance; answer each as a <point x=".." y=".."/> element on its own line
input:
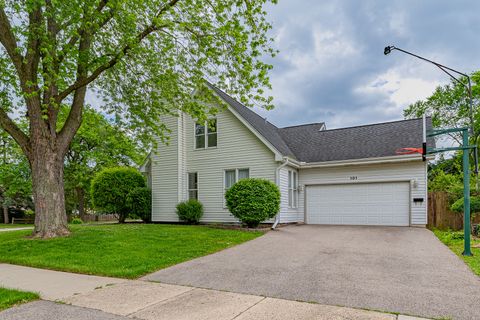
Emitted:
<point x="378" y="160"/>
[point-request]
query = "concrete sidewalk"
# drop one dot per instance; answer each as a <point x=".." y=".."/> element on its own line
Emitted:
<point x="158" y="301"/>
<point x="51" y="285"/>
<point x="85" y="297"/>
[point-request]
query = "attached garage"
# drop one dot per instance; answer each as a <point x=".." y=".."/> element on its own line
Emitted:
<point x="382" y="204"/>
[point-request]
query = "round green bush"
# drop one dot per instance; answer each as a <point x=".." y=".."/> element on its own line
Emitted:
<point x="139" y="202"/>
<point x="190" y="211"/>
<point x="110" y="188"/>
<point x="253" y="200"/>
<point x="76" y="220"/>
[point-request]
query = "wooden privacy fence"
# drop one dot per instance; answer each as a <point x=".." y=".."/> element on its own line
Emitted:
<point x="439" y="214"/>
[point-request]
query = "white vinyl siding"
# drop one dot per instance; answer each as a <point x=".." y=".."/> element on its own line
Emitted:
<point x="413" y="172"/>
<point x="237" y="148"/>
<point x="166" y="173"/>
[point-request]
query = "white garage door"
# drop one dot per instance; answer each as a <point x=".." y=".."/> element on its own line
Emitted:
<point x="383" y="204"/>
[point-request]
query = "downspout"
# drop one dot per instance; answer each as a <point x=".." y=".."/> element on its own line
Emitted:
<point x="277" y="178"/>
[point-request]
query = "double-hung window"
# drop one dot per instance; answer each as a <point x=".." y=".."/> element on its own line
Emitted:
<point x="292" y="189"/>
<point x="233" y="175"/>
<point x="206" y="134"/>
<point x="193" y="185"/>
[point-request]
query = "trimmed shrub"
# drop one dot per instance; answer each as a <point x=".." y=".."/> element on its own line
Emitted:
<point x="76" y="220"/>
<point x="253" y="200"/>
<point x="139" y="202"/>
<point x="457" y="206"/>
<point x="110" y="189"/>
<point x="190" y="211"/>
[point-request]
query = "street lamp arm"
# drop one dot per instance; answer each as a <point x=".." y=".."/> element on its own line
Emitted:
<point x="441" y="66"/>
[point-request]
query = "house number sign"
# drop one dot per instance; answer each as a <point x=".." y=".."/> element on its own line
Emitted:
<point x="353" y="178"/>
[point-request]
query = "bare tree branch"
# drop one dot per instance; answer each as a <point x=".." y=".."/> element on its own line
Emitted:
<point x="20" y="137"/>
<point x="7" y="39"/>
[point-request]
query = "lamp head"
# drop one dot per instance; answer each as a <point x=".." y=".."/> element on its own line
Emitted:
<point x="388" y="49"/>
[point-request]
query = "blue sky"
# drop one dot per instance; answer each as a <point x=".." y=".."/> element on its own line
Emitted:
<point x="331" y="65"/>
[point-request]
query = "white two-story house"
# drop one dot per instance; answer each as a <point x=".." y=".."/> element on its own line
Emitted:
<point x="348" y="176"/>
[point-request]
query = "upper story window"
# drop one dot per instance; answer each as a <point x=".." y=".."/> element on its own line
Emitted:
<point x="206" y="134"/>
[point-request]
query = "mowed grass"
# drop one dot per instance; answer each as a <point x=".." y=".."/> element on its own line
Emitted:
<point x="125" y="251"/>
<point x="455" y="243"/>
<point x="6" y="226"/>
<point x="9" y="298"/>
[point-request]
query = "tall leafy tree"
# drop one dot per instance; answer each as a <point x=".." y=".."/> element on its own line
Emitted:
<point x="143" y="56"/>
<point x="449" y="106"/>
<point x="15" y="178"/>
<point x="98" y="144"/>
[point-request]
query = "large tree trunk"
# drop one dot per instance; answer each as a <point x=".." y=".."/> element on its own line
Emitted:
<point x="5" y="213"/>
<point x="48" y="194"/>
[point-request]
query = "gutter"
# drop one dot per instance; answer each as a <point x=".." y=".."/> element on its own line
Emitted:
<point x="391" y="159"/>
<point x="277" y="178"/>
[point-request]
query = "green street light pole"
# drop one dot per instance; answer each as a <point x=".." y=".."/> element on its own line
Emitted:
<point x="466" y="196"/>
<point x="465" y="145"/>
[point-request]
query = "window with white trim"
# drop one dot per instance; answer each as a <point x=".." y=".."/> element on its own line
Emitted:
<point x="292" y="189"/>
<point x="193" y="185"/>
<point x="206" y="134"/>
<point x="233" y="175"/>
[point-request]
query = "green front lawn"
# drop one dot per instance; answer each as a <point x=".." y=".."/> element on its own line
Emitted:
<point x="9" y="298"/>
<point x="126" y="251"/>
<point x="5" y="226"/>
<point x="454" y="240"/>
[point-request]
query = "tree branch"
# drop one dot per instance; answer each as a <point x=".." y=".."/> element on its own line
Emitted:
<point x="7" y="39"/>
<point x="73" y="40"/>
<point x="32" y="57"/>
<point x="97" y="72"/>
<point x="20" y="137"/>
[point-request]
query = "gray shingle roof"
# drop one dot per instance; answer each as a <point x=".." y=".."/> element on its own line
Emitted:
<point x="308" y="143"/>
<point x="368" y="141"/>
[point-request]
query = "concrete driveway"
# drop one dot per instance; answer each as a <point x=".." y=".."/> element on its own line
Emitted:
<point x="396" y="269"/>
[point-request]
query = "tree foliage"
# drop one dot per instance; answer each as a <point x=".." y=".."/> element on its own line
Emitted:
<point x="111" y="187"/>
<point x="449" y="106"/>
<point x="15" y="178"/>
<point x="139" y="203"/>
<point x="142" y="57"/>
<point x="98" y="144"/>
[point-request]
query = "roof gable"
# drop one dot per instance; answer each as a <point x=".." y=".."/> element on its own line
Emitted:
<point x="312" y="143"/>
<point x="261" y="125"/>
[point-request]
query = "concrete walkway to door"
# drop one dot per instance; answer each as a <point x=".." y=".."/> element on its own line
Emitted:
<point x="396" y="269"/>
